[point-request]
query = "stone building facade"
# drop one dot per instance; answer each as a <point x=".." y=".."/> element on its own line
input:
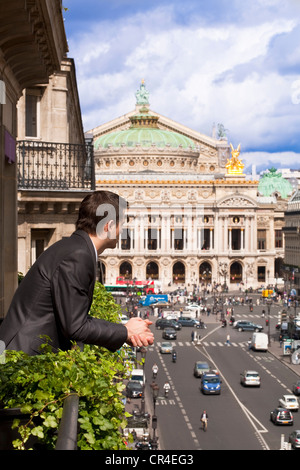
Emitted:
<point x="55" y="164"/>
<point x="33" y="43"/>
<point x="291" y="270"/>
<point x="194" y="217"/>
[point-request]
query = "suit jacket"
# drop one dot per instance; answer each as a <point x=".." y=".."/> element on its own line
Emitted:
<point x="54" y="299"/>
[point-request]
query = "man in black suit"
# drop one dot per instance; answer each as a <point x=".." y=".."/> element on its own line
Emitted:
<point x="55" y="296"/>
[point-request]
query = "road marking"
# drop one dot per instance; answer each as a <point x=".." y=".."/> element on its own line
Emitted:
<point x="179" y="402"/>
<point x="256" y="424"/>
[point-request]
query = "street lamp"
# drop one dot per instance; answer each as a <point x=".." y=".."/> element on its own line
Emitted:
<point x="269" y="303"/>
<point x="143" y="352"/>
<point x="155" y="392"/>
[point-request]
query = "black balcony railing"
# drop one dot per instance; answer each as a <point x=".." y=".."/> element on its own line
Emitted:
<point x="54" y="166"/>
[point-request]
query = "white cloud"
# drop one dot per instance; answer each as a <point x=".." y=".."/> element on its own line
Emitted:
<point x="197" y="74"/>
<point x="267" y="160"/>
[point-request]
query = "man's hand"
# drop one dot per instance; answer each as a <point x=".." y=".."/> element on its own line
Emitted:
<point x="139" y="333"/>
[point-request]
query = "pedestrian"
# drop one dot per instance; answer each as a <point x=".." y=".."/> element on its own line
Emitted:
<point x="54" y="298"/>
<point x="249" y="343"/>
<point x="228" y="340"/>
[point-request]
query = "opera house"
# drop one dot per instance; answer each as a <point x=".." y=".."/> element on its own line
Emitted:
<point x="194" y="217"/>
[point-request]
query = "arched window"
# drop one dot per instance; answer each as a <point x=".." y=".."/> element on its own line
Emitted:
<point x="236" y="273"/>
<point x="126" y="270"/>
<point x="152" y="270"/>
<point x="205" y="273"/>
<point x="178" y="273"/>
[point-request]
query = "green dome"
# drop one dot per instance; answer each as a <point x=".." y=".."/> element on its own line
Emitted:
<point x="273" y="182"/>
<point x="146" y="137"/>
<point x="144" y="131"/>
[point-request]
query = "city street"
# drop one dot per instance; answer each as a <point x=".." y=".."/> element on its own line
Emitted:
<point x="239" y="418"/>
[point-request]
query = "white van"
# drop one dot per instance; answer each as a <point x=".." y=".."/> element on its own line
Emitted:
<point x="259" y="342"/>
<point x="138" y="374"/>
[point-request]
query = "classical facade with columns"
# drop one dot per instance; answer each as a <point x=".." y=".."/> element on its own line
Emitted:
<point x="194" y="217"/>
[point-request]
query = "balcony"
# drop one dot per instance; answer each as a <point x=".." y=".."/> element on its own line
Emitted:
<point x="55" y="166"/>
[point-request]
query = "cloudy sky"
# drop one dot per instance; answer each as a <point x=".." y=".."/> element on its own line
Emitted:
<point x="234" y="63"/>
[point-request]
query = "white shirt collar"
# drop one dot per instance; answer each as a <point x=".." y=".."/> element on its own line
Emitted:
<point x="96" y="253"/>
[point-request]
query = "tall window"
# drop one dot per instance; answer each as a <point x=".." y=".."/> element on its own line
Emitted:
<point x="278" y="239"/>
<point x="261" y="239"/>
<point x="31" y="115"/>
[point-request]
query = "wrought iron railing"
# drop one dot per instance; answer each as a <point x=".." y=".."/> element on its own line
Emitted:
<point x="55" y="166"/>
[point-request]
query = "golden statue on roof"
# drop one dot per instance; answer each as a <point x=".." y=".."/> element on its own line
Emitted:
<point x="235" y="166"/>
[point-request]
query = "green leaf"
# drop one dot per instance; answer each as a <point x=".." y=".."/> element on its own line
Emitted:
<point x="38" y="432"/>
<point x="50" y="422"/>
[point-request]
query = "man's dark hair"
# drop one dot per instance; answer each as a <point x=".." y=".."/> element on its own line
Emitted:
<point x="96" y="206"/>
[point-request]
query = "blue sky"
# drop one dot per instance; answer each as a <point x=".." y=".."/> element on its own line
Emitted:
<point x="236" y="63"/>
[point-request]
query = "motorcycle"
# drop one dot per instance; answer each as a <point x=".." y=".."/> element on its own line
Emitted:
<point x="174" y="357"/>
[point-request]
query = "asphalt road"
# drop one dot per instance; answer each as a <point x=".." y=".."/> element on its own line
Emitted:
<point x="239" y="418"/>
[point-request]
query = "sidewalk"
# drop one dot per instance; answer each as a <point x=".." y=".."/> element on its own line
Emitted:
<point x="277" y="352"/>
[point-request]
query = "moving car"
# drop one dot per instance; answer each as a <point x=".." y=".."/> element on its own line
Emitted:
<point x="294" y="439"/>
<point x="247" y="326"/>
<point x="134" y="389"/>
<point x="164" y="323"/>
<point x="201" y="368"/>
<point x="210" y="384"/>
<point x="290" y="402"/>
<point x="169" y="333"/>
<point x="282" y="416"/>
<point x="296" y="388"/>
<point x="250" y="378"/>
<point x="188" y="321"/>
<point x="166" y="348"/>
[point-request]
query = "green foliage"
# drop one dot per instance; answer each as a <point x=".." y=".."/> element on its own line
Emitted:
<point x="40" y="384"/>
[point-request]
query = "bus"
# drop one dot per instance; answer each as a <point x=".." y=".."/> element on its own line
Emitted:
<point x="128" y="289"/>
<point x="146" y="287"/>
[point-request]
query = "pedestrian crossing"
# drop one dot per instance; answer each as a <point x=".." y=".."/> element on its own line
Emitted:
<point x="238" y="316"/>
<point x="221" y="344"/>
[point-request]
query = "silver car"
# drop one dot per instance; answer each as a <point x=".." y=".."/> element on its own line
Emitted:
<point x="201" y="368"/>
<point x="250" y="378"/>
<point x="294" y="439"/>
<point x="166" y="348"/>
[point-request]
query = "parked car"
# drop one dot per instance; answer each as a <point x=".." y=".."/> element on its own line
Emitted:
<point x="164" y="323"/>
<point x="210" y="384"/>
<point x="290" y="402"/>
<point x="250" y="378"/>
<point x="134" y="389"/>
<point x="169" y="333"/>
<point x="124" y="319"/>
<point x="188" y="321"/>
<point x="193" y="307"/>
<point x="294" y="439"/>
<point x="138" y="375"/>
<point x="201" y="368"/>
<point x="247" y="326"/>
<point x="166" y="348"/>
<point x="282" y="416"/>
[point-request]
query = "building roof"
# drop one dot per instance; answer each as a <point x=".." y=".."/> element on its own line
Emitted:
<point x="144" y="131"/>
<point x="273" y="183"/>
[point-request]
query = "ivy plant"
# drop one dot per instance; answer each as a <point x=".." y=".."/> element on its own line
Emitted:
<point x="39" y="385"/>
